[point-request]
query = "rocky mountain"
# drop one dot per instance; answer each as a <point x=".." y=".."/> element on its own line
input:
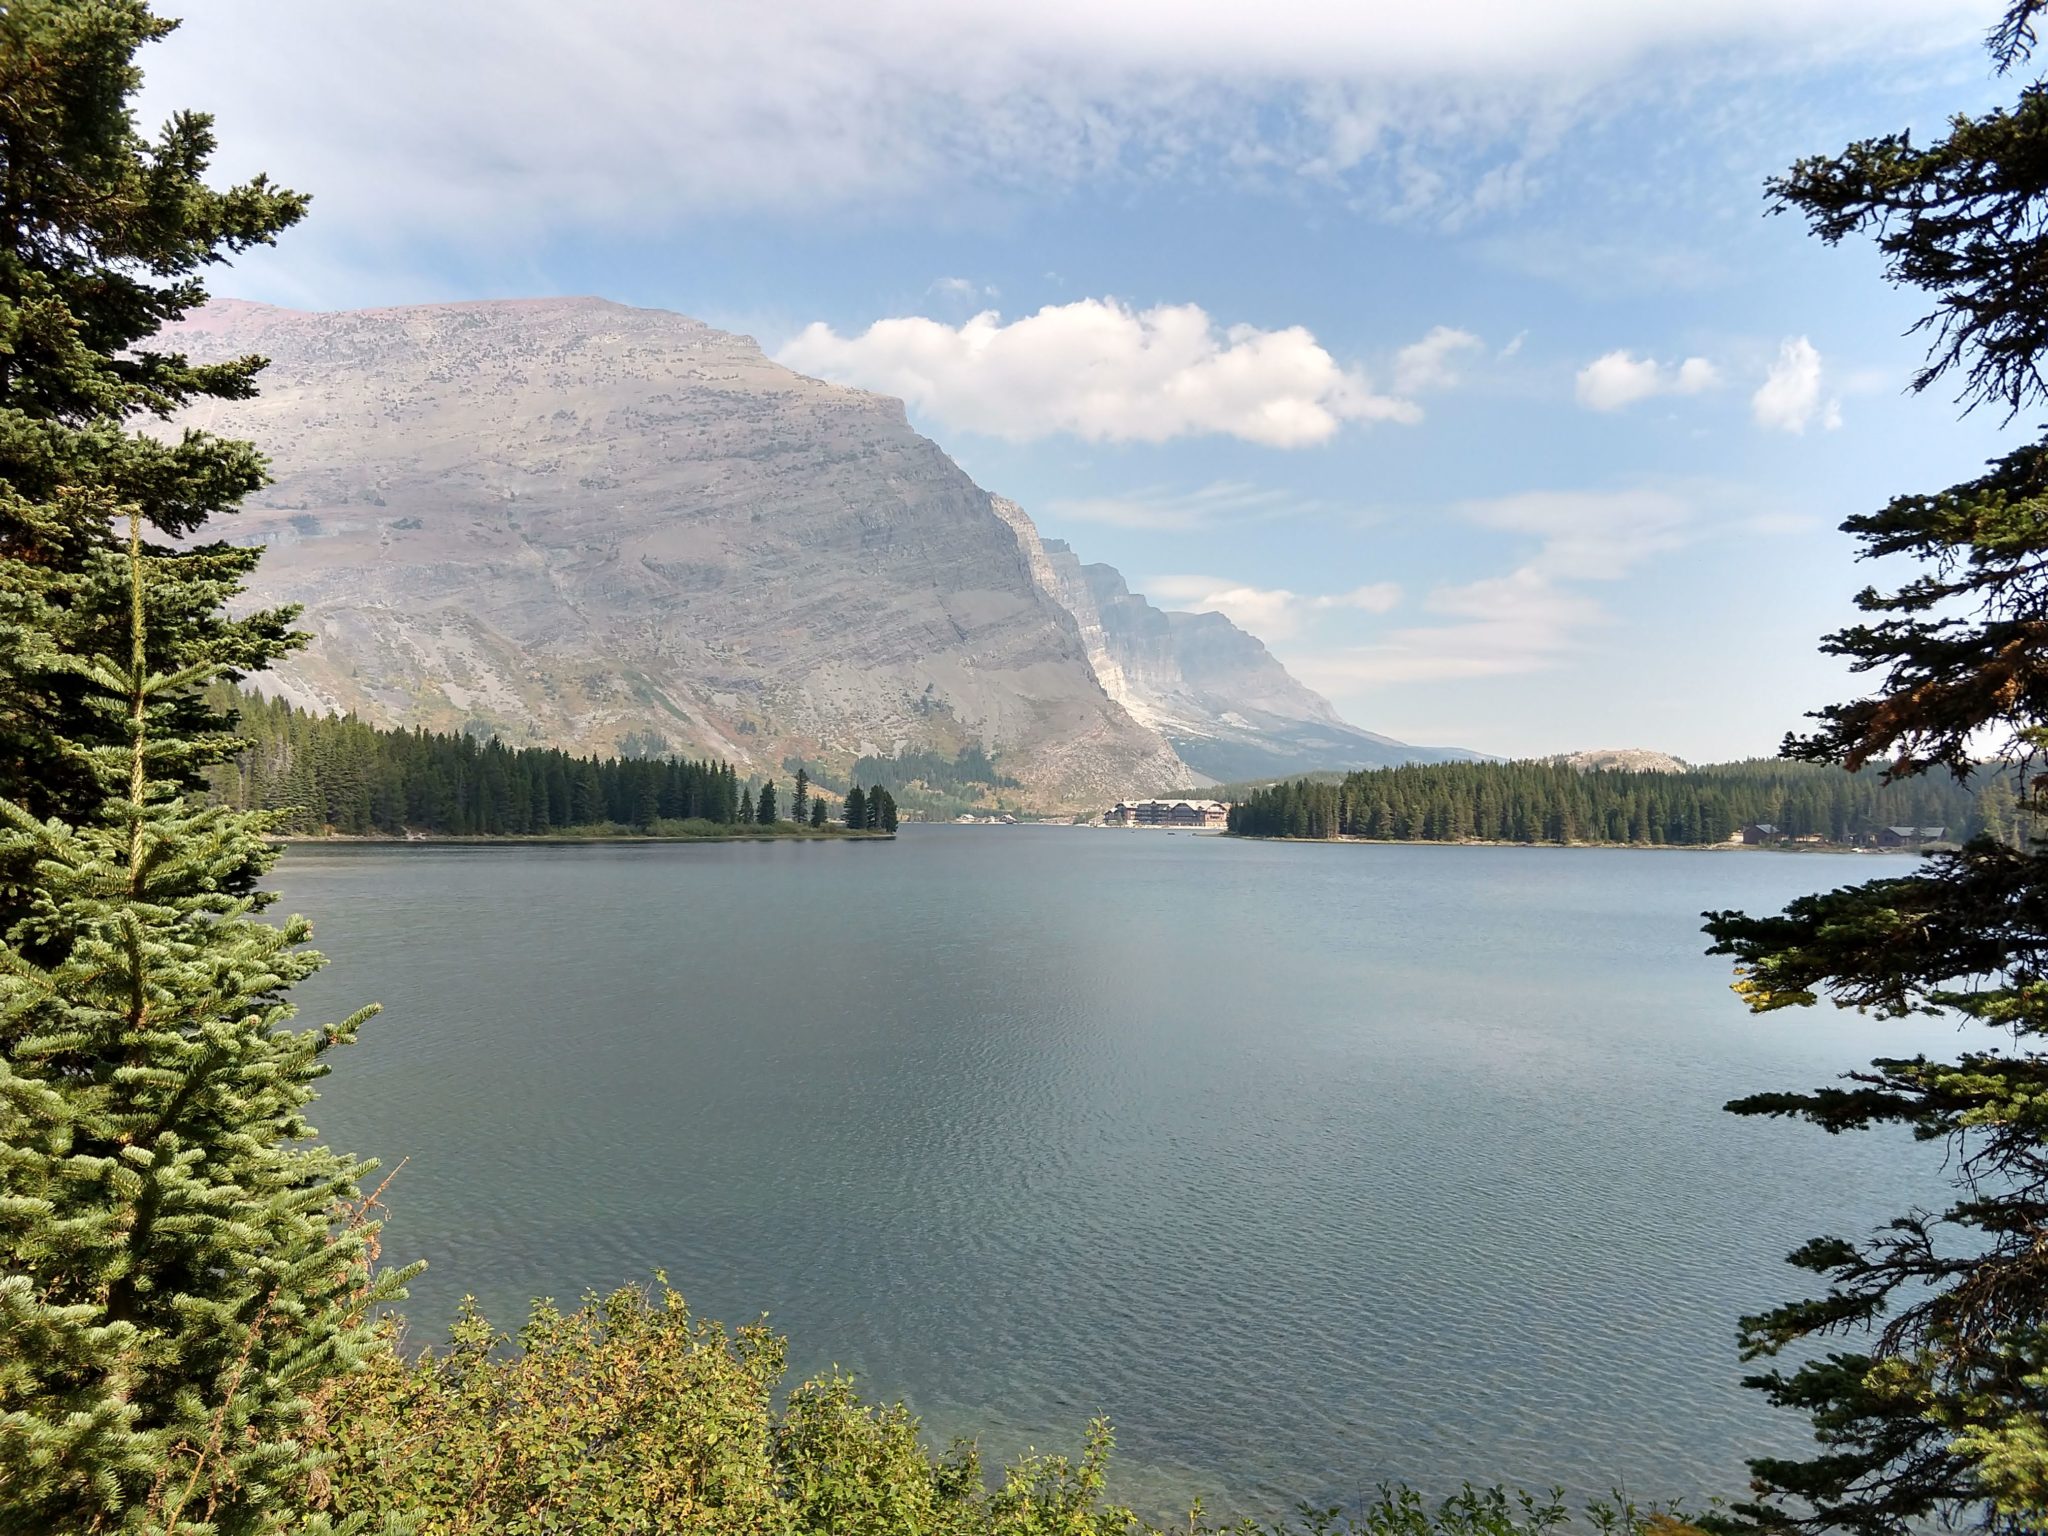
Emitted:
<point x="617" y="529"/>
<point x="570" y="521"/>
<point x="1223" y="701"/>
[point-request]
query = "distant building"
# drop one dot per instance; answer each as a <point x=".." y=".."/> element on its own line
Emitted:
<point x="1167" y="813"/>
<point x="1910" y="837"/>
<point x="1759" y="832"/>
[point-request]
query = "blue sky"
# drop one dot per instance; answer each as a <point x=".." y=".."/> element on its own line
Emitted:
<point x="1449" y="349"/>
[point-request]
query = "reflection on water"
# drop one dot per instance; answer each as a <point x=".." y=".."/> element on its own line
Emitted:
<point x="1310" y="1166"/>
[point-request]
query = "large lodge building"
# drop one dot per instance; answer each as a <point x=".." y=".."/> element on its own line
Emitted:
<point x="1167" y="813"/>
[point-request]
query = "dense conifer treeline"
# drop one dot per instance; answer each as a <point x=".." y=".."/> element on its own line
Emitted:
<point x="334" y="773"/>
<point x="969" y="771"/>
<point x="1546" y="802"/>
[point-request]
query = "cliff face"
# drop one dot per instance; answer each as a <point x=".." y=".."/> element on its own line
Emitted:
<point x="1224" y="701"/>
<point x="1057" y="570"/>
<point x="610" y="528"/>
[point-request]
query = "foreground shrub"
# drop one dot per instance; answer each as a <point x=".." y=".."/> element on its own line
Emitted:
<point x="630" y="1415"/>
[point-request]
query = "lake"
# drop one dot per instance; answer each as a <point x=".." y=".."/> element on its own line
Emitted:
<point x="1311" y="1166"/>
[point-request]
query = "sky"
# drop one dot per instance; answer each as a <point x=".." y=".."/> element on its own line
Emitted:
<point x="1450" y="349"/>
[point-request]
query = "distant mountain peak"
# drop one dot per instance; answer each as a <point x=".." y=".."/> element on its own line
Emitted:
<point x="571" y="521"/>
<point x="1624" y="760"/>
<point x="1225" y="703"/>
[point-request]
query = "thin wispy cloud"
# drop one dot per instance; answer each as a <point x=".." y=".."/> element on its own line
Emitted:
<point x="1102" y="371"/>
<point x="1534" y="616"/>
<point x="1162" y="510"/>
<point x="965" y="289"/>
<point x="1271" y="613"/>
<point x="573" y="117"/>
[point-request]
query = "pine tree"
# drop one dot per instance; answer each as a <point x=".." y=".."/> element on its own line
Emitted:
<point x="178" y="1281"/>
<point x="881" y="809"/>
<point x="817" y="811"/>
<point x="746" y="815"/>
<point x="104" y="237"/>
<point x="764" y="808"/>
<point x="1944" y="1412"/>
<point x="855" y="814"/>
<point x="174" y="1287"/>
<point x="799" y="801"/>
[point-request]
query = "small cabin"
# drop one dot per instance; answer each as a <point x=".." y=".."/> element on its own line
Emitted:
<point x="1910" y="837"/>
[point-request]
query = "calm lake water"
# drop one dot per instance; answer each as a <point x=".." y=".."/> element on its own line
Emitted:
<point x="1310" y="1166"/>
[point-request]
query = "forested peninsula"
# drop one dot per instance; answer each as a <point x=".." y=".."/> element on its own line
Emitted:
<point x="328" y="775"/>
<point x="1554" y="802"/>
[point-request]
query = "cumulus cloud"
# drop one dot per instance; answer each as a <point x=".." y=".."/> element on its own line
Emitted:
<point x="469" y="120"/>
<point x="1620" y="378"/>
<point x="1432" y="363"/>
<point x="1271" y="613"/>
<point x="1105" y="372"/>
<point x="1789" y="399"/>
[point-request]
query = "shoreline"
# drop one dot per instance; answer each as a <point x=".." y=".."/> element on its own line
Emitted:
<point x="1485" y="842"/>
<point x="563" y="839"/>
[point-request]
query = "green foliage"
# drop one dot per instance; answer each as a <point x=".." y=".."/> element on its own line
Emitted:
<point x="325" y="773"/>
<point x="764" y="807"/>
<point x="800" y="798"/>
<point x="969" y="769"/>
<point x="182" y="1269"/>
<point x="630" y="1414"/>
<point x="817" y="811"/>
<point x="105" y="236"/>
<point x="933" y="783"/>
<point x="176" y="1274"/>
<point x="1550" y="802"/>
<point x="1954" y="219"/>
<point x="1944" y="1412"/>
<point x="869" y="810"/>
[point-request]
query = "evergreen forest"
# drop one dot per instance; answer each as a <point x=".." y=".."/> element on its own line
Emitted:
<point x="1552" y="802"/>
<point x="934" y="785"/>
<point x="320" y="774"/>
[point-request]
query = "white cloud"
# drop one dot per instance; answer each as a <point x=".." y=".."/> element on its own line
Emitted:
<point x="1105" y="372"/>
<point x="1432" y="363"/>
<point x="1620" y="378"/>
<point x="1789" y="399"/>
<point x="472" y="120"/>
<point x="1271" y="613"/>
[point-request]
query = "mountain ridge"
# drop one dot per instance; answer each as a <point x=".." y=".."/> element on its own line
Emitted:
<point x="615" y="528"/>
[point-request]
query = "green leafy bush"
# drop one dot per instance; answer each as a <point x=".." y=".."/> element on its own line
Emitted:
<point x="632" y="1415"/>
